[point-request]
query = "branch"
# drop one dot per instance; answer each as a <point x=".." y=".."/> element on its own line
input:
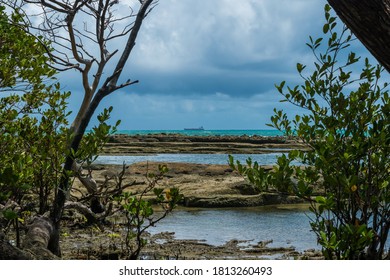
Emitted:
<point x="143" y="11"/>
<point x="88" y="182"/>
<point x="369" y="21"/>
<point x="88" y="213"/>
<point x="61" y="7"/>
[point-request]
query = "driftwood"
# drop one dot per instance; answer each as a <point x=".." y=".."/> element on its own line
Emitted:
<point x="88" y="182"/>
<point x="99" y="194"/>
<point x="92" y="218"/>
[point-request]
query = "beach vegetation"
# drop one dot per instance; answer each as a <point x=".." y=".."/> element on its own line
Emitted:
<point x="34" y="125"/>
<point x="33" y="118"/>
<point x="346" y="130"/>
<point x="140" y="214"/>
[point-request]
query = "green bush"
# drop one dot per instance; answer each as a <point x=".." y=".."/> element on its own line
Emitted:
<point x="34" y="132"/>
<point x="346" y="129"/>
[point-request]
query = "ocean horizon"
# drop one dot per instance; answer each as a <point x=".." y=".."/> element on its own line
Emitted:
<point x="207" y="132"/>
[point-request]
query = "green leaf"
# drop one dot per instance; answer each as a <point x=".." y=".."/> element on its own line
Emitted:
<point x="9" y="214"/>
<point x="300" y="67"/>
<point x="325" y="28"/>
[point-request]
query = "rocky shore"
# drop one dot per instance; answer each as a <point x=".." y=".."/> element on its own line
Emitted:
<point x="178" y="143"/>
<point x="202" y="185"/>
<point x="164" y="246"/>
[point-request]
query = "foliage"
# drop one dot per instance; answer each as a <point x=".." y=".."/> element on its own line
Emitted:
<point x="347" y="132"/>
<point x="33" y="118"/>
<point x="140" y="214"/>
<point x="279" y="178"/>
<point x="253" y="172"/>
<point x="96" y="138"/>
<point x="23" y="65"/>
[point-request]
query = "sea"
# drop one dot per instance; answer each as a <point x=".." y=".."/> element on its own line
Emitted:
<point x="207" y="132"/>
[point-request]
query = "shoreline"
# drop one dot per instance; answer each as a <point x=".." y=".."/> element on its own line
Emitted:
<point x="177" y="143"/>
<point x="202" y="185"/>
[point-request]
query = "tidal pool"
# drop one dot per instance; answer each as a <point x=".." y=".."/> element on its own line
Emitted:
<point x="285" y="225"/>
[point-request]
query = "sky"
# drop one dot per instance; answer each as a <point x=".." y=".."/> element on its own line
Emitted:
<point x="213" y="63"/>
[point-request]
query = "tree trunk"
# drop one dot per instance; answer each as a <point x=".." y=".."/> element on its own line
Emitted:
<point x="38" y="238"/>
<point x="369" y="20"/>
<point x="107" y="88"/>
<point x="10" y="252"/>
<point x="36" y="243"/>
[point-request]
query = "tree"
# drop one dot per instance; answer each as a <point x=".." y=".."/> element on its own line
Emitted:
<point x="82" y="37"/>
<point x="33" y="120"/>
<point x="344" y="173"/>
<point x="76" y="50"/>
<point x="369" y="21"/>
<point x="32" y="113"/>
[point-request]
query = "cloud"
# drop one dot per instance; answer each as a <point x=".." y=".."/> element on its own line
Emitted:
<point x="204" y="46"/>
<point x="215" y="63"/>
<point x="211" y="33"/>
<point x="213" y="111"/>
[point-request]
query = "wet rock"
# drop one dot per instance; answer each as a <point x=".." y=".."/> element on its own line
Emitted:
<point x="177" y="143"/>
<point x="246" y="189"/>
<point x="151" y="140"/>
<point x="264" y="243"/>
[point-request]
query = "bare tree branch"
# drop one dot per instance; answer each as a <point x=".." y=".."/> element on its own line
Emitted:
<point x="143" y="11"/>
<point x="88" y="213"/>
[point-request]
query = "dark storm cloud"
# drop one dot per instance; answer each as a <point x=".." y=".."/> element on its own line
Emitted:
<point x="234" y="82"/>
<point x="215" y="63"/>
<point x="205" y="46"/>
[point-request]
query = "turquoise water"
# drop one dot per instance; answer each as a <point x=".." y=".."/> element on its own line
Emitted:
<point x="232" y="132"/>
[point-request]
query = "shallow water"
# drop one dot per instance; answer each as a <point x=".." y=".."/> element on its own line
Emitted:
<point x="285" y="225"/>
<point x="263" y="159"/>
